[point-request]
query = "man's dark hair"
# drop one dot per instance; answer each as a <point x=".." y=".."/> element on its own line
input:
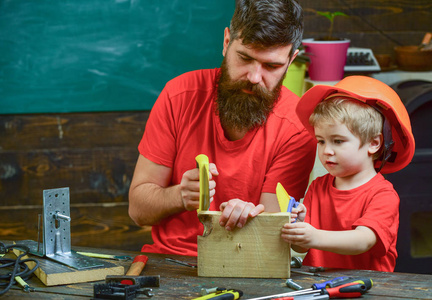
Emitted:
<point x="268" y="23"/>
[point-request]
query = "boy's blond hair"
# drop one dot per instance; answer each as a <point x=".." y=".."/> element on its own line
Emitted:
<point x="362" y="120"/>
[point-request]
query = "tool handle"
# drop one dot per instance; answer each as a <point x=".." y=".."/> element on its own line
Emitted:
<point x="349" y="290"/>
<point x="224" y="295"/>
<point x="362" y="280"/>
<point x="427" y="38"/>
<point x="330" y="283"/>
<point x="230" y="295"/>
<point x="292" y="203"/>
<point x="137" y="265"/>
<point x="202" y="161"/>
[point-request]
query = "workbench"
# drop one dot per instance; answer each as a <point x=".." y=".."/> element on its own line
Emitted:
<point x="181" y="282"/>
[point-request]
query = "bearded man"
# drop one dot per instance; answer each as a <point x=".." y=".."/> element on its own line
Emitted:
<point x="241" y="117"/>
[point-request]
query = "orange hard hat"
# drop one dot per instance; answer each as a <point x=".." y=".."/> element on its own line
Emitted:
<point x="380" y="96"/>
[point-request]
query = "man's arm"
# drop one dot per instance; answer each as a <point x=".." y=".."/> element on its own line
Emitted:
<point x="151" y="198"/>
<point x="270" y="202"/>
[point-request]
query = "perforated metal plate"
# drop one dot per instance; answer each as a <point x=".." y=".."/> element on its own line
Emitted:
<point x="57" y="234"/>
<point x="56" y="231"/>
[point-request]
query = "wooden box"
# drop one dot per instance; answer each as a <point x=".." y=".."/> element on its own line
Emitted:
<point x="255" y="251"/>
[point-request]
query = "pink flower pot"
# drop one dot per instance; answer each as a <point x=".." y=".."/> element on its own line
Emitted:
<point x="327" y="59"/>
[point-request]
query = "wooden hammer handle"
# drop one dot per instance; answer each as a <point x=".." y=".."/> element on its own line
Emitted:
<point x="137" y="265"/>
<point x="427" y="38"/>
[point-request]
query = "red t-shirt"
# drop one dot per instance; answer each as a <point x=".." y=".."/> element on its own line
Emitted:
<point x="375" y="205"/>
<point x="183" y="124"/>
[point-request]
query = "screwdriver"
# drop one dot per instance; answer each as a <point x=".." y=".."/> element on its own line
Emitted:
<point x="335" y="282"/>
<point x="222" y="295"/>
<point x="348" y="290"/>
<point x="363" y="280"/>
<point x="304" y="297"/>
<point x="329" y="283"/>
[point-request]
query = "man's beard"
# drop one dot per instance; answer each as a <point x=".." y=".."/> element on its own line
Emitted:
<point x="240" y="110"/>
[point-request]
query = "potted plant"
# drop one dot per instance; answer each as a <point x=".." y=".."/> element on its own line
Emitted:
<point x="328" y="53"/>
<point x="331" y="16"/>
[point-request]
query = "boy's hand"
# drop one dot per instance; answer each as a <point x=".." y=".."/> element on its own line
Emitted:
<point x="298" y="214"/>
<point x="300" y="234"/>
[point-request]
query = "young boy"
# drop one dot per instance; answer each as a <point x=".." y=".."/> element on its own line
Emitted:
<point x="352" y="219"/>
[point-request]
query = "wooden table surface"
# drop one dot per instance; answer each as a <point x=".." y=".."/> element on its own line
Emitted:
<point x="182" y="282"/>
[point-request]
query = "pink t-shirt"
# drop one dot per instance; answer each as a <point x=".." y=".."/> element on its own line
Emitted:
<point x="183" y="124"/>
<point x="375" y="205"/>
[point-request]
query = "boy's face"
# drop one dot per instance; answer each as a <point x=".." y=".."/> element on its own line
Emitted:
<point x="341" y="154"/>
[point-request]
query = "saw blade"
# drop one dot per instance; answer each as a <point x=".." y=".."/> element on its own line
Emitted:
<point x="282" y="197"/>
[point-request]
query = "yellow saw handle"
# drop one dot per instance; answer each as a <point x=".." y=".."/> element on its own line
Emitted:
<point x="203" y="166"/>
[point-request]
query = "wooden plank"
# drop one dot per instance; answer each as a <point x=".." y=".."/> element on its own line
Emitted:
<point x="254" y="251"/>
<point x="96" y="151"/>
<point x="93" y="154"/>
<point x="98" y="175"/>
<point x="72" y="130"/>
<point x="53" y="273"/>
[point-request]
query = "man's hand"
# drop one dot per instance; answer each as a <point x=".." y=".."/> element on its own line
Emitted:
<point x="190" y="188"/>
<point x="236" y="212"/>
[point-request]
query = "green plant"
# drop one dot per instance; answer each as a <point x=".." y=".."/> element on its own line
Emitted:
<point x="330" y="16"/>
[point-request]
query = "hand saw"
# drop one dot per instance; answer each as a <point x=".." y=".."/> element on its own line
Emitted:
<point x="282" y="197"/>
<point x="204" y="197"/>
<point x="286" y="202"/>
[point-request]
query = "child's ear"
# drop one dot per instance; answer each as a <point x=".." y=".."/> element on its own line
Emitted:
<point x="375" y="144"/>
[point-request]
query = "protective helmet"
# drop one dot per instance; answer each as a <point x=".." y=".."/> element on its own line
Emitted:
<point x="398" y="138"/>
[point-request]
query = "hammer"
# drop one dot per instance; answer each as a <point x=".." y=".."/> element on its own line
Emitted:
<point x="133" y="274"/>
<point x="128" y="285"/>
<point x="137" y="265"/>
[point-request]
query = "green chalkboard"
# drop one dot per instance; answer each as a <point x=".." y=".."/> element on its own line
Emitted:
<point x="103" y="55"/>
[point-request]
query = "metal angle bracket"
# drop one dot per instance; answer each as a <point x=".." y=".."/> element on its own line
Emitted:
<point x="57" y="233"/>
